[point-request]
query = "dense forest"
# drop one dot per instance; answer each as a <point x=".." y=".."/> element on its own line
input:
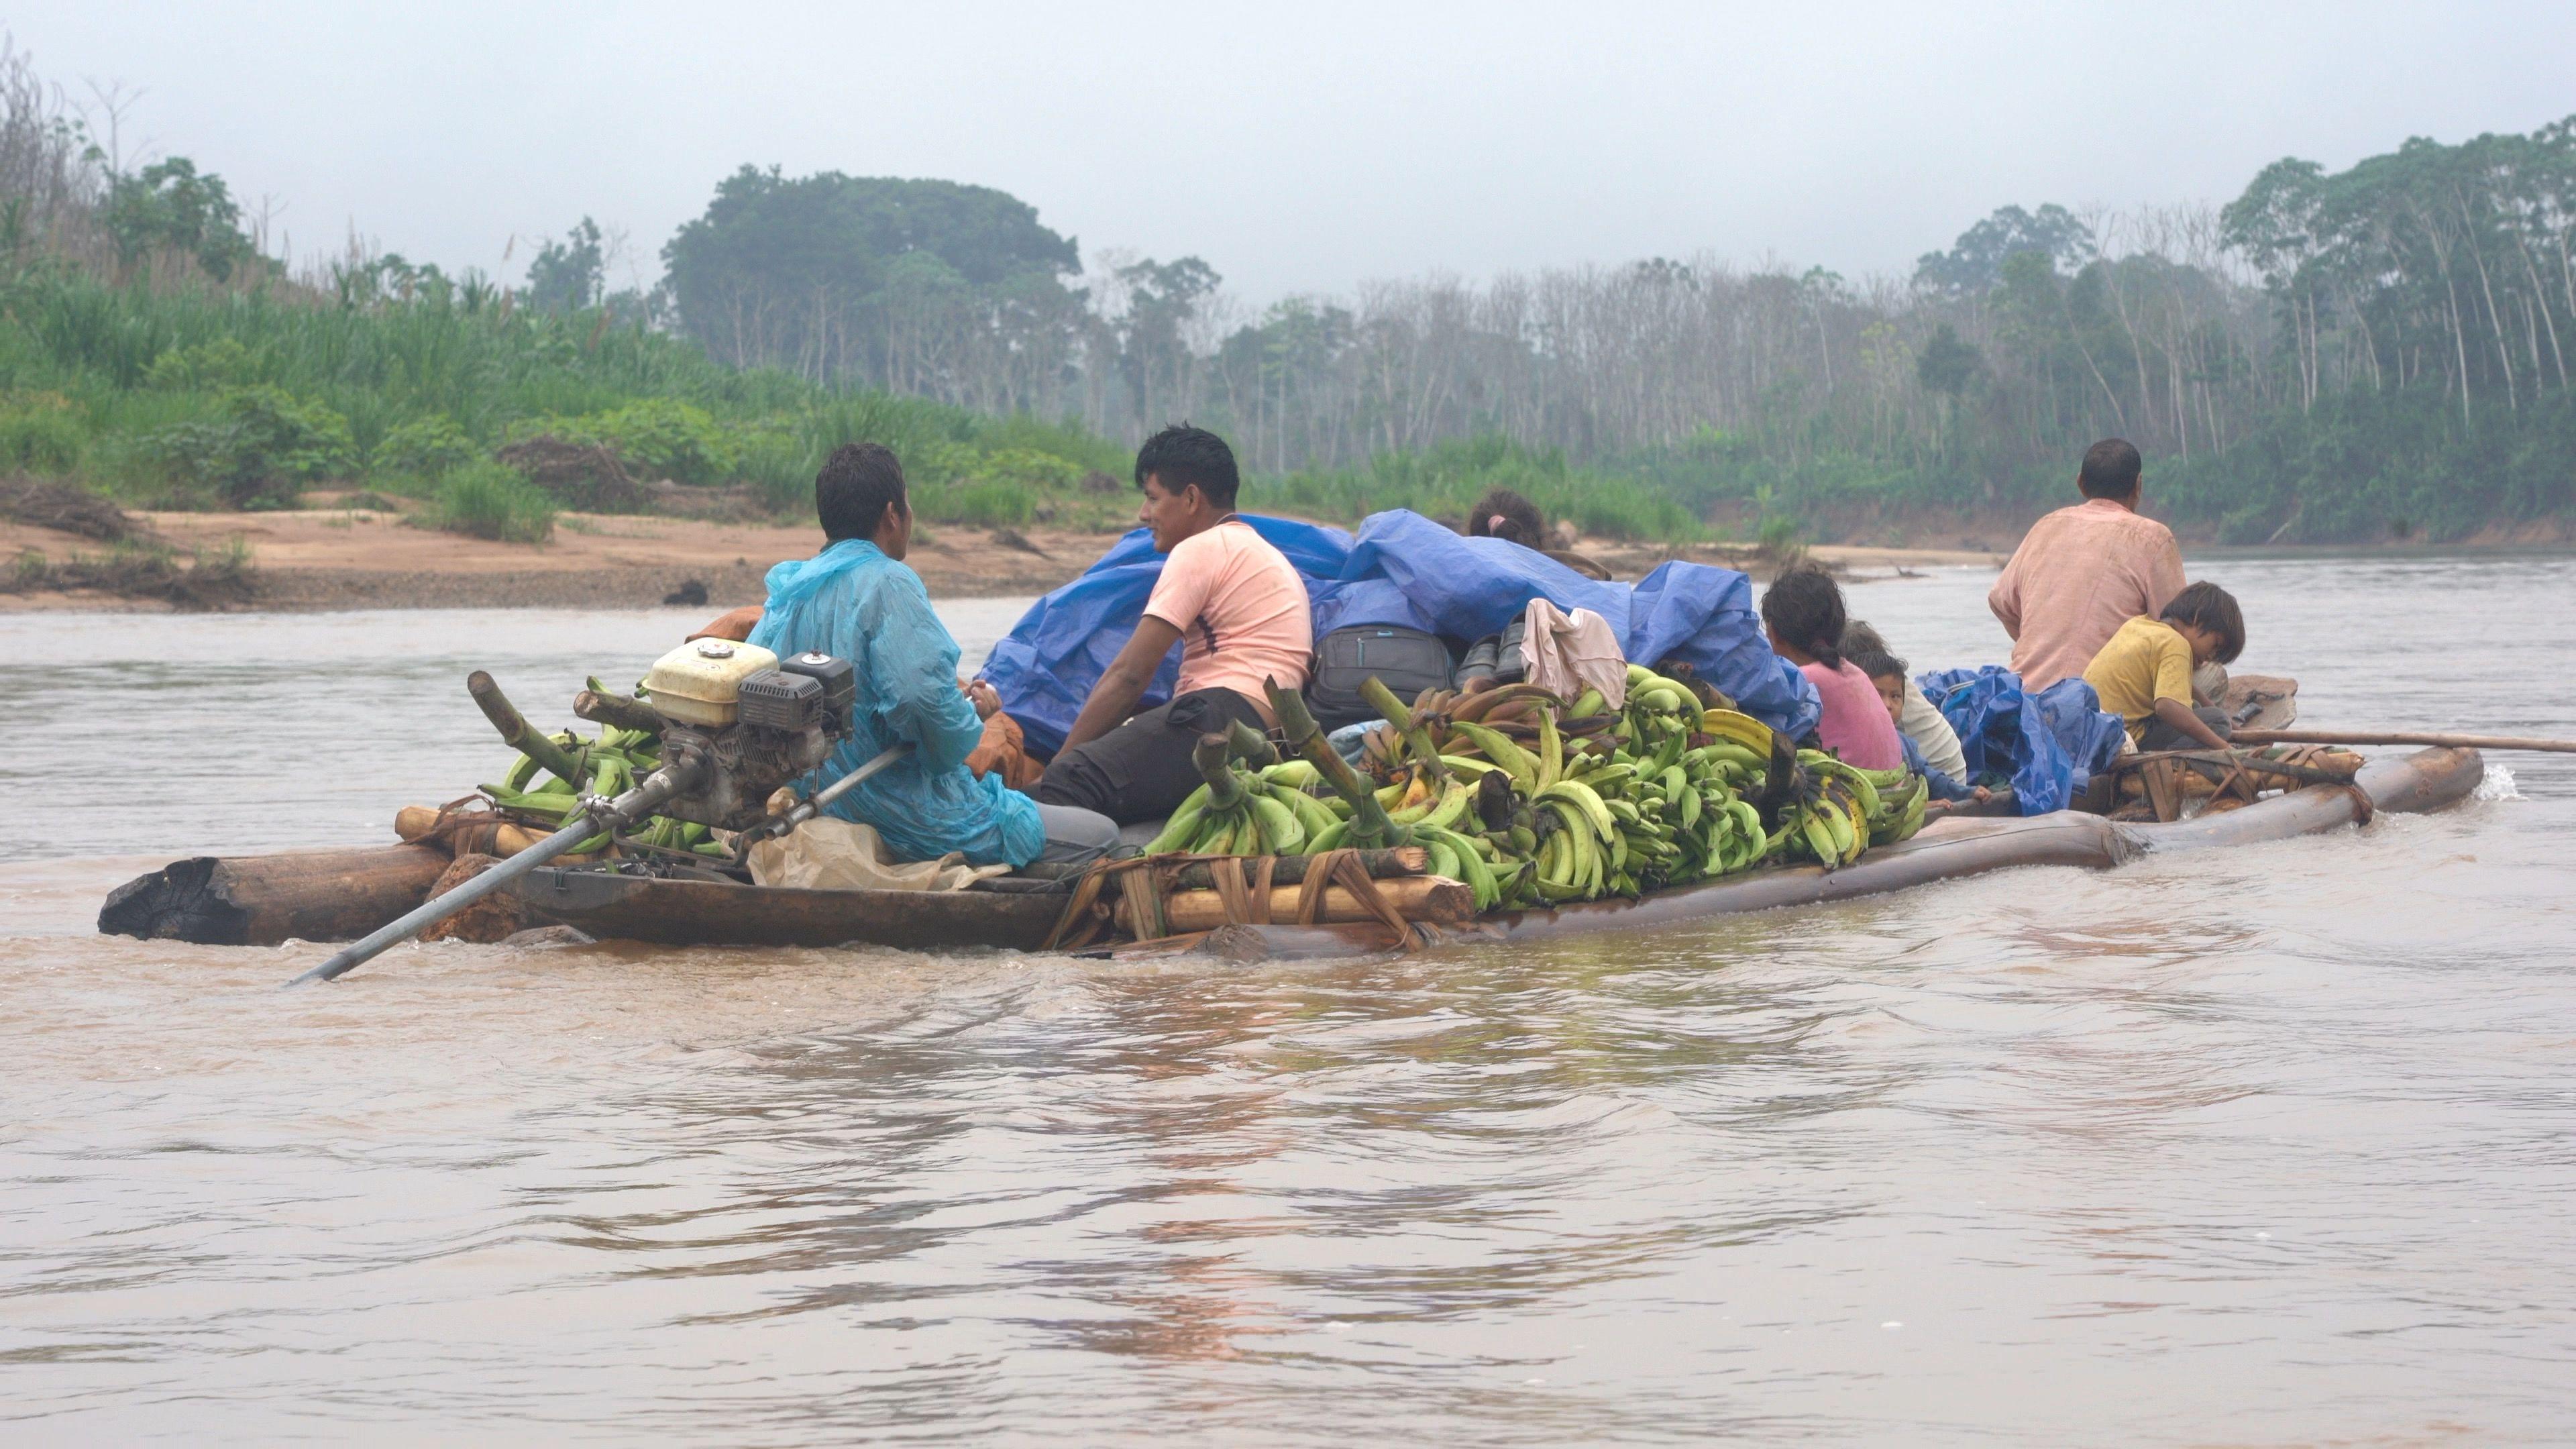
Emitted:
<point x="2359" y="355"/>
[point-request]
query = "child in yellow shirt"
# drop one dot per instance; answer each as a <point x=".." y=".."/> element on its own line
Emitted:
<point x="2144" y="674"/>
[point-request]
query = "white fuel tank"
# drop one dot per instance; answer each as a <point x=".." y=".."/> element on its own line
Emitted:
<point x="699" y="682"/>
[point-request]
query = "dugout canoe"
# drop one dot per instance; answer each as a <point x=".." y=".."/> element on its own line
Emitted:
<point x="707" y="913"/>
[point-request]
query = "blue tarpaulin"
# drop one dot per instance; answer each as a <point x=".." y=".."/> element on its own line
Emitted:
<point x="2048" y="745"/>
<point x="1045" y="667"/>
<point x="1402" y="569"/>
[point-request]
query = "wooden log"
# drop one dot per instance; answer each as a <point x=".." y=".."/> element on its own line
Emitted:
<point x="473" y="833"/>
<point x="1433" y="898"/>
<point x="261" y="900"/>
<point x="1291" y="869"/>
<point x="2404" y="737"/>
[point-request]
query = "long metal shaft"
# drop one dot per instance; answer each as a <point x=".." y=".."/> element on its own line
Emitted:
<point x="2403" y="737"/>
<point x="807" y="809"/>
<point x="844" y="785"/>
<point x="635" y="804"/>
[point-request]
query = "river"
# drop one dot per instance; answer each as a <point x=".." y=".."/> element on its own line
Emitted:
<point x="2268" y="1145"/>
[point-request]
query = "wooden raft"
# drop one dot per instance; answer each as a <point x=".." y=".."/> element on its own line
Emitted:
<point x="1149" y="898"/>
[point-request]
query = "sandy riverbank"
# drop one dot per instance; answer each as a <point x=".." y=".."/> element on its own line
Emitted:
<point x="359" y="559"/>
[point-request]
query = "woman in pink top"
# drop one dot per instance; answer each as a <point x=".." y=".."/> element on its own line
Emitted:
<point x="1802" y="611"/>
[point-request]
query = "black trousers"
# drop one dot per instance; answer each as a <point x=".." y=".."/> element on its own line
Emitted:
<point x="1141" y="770"/>
<point x="2162" y="736"/>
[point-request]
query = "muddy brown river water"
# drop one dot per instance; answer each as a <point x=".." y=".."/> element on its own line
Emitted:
<point x="2268" y="1145"/>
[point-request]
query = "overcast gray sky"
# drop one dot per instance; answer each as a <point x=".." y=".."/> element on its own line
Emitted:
<point x="1298" y="147"/>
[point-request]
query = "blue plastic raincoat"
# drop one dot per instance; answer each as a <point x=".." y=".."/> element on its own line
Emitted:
<point x="852" y="601"/>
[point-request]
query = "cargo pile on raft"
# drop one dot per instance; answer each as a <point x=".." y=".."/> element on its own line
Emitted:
<point x="1505" y="814"/>
<point x="1536" y="801"/>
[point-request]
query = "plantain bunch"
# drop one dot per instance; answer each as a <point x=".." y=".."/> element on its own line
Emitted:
<point x="1267" y="811"/>
<point x="1533" y="800"/>
<point x="1670" y="788"/>
<point x="610" y="764"/>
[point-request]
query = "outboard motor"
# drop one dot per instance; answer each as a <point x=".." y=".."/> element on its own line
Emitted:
<point x="740" y="723"/>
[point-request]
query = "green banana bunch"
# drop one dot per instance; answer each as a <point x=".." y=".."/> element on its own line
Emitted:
<point x="1269" y="813"/>
<point x="1537" y="802"/>
<point x="612" y="763"/>
<point x="1827" y="824"/>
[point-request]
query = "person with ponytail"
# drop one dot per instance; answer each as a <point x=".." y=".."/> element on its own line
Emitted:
<point x="1802" y="612"/>
<point x="1506" y="515"/>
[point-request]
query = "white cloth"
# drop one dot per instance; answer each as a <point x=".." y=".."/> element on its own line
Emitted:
<point x="831" y="854"/>
<point x="1929" y="729"/>
<point x="1563" y="652"/>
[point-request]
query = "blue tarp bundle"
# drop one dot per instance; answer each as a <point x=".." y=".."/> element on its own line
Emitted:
<point x="1402" y="569"/>
<point x="2048" y="745"/>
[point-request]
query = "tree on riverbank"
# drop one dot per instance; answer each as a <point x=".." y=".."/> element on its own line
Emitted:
<point x="2380" y="352"/>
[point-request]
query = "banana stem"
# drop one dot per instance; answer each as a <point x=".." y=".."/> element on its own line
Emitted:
<point x="1383" y="700"/>
<point x="1214" y="757"/>
<point x="1417" y="737"/>
<point x="520" y="735"/>
<point x="1250" y="746"/>
<point x="1370" y="826"/>
<point x="624" y="712"/>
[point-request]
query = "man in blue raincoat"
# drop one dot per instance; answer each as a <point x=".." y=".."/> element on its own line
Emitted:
<point x="856" y="600"/>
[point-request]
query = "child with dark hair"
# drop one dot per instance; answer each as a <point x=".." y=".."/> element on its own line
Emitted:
<point x="1887" y="674"/>
<point x="1802" y="612"/>
<point x="2144" y="674"/>
<point x="1922" y="724"/>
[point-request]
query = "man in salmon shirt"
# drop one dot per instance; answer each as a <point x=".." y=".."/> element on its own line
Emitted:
<point x="1232" y="602"/>
<point x="2084" y="571"/>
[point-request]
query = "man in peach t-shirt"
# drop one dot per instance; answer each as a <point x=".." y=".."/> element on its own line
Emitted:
<point x="2084" y="571"/>
<point x="1232" y="602"/>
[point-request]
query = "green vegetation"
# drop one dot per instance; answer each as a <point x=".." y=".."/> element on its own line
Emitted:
<point x="487" y="500"/>
<point x="196" y="396"/>
<point x="2371" y="354"/>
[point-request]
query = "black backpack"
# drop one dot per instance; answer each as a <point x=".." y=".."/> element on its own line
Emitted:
<point x="1407" y="661"/>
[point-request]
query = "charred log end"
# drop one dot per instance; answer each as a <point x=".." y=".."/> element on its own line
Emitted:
<point x="175" y="903"/>
<point x="261" y="900"/>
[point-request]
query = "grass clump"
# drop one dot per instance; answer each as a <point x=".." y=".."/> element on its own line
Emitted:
<point x="991" y="504"/>
<point x="489" y="500"/>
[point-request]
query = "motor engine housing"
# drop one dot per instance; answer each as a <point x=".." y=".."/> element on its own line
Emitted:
<point x="763" y="728"/>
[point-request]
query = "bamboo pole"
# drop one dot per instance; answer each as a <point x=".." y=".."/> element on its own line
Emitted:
<point x="2403" y="737"/>
<point x="1291" y="869"/>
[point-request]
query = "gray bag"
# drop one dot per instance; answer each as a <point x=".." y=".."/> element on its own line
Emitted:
<point x="1407" y="661"/>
